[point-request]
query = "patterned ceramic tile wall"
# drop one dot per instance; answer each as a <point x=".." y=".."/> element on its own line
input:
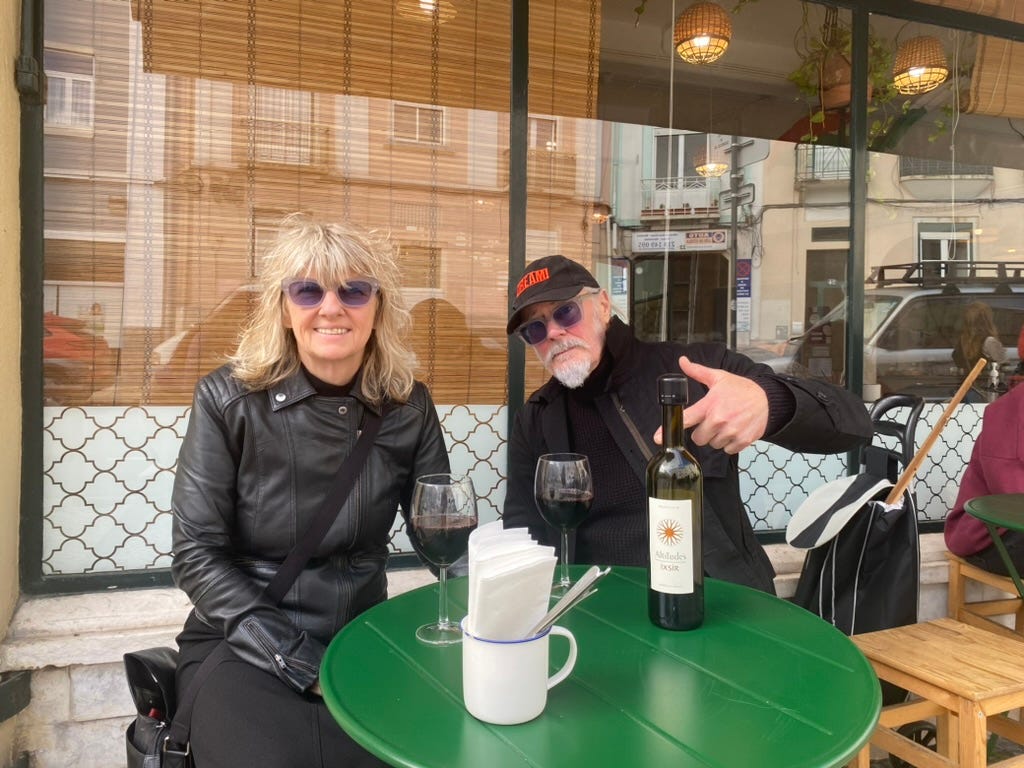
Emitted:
<point x="108" y="474"/>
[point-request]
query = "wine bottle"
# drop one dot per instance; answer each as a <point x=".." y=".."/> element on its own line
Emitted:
<point x="675" y="496"/>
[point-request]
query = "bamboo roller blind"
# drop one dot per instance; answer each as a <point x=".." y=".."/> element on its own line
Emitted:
<point x="997" y="77"/>
<point x="335" y="126"/>
<point x="304" y="45"/>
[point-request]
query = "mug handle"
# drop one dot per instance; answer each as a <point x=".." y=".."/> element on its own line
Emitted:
<point x="570" y="662"/>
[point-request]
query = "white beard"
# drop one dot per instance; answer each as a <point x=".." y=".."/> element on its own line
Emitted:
<point x="573" y="372"/>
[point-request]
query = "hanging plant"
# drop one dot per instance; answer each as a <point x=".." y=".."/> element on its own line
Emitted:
<point x="824" y="76"/>
<point x="824" y="72"/>
<point x="639" y="11"/>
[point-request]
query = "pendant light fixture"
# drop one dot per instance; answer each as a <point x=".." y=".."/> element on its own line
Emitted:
<point x="702" y="33"/>
<point x="710" y="163"/>
<point x="920" y="65"/>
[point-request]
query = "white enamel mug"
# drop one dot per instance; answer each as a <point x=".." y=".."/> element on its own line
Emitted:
<point x="506" y="682"/>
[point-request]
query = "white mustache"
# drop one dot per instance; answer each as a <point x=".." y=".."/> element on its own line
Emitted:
<point x="562" y="346"/>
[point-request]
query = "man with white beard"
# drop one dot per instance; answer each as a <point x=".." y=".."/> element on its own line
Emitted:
<point x="602" y="402"/>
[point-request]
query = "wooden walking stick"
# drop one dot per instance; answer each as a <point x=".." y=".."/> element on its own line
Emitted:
<point x="908" y="474"/>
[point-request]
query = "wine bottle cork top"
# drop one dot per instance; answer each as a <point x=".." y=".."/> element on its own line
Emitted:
<point x="672" y="389"/>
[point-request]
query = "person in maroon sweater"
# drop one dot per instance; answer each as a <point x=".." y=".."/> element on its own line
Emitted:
<point x="996" y="466"/>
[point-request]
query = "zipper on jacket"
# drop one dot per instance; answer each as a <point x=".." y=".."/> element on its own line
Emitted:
<point x="264" y="642"/>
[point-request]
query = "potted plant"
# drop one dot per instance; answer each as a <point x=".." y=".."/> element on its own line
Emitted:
<point x="824" y="77"/>
<point x="824" y="71"/>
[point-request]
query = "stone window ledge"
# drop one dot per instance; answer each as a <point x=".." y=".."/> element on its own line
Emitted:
<point x="98" y="628"/>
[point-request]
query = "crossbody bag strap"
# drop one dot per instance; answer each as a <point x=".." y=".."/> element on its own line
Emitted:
<point x="176" y="745"/>
<point x="336" y="497"/>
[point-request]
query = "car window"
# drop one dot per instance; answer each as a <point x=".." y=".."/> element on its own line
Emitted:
<point x="926" y="322"/>
<point x="876" y="309"/>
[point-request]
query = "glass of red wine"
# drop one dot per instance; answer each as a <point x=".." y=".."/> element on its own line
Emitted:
<point x="443" y="515"/>
<point x="563" y="488"/>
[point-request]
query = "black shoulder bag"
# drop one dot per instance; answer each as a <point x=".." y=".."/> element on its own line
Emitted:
<point x="158" y="736"/>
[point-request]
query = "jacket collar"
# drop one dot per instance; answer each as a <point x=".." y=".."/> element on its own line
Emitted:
<point x="297" y="388"/>
<point x="621" y="343"/>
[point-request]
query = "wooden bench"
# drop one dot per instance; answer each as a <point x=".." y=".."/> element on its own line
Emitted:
<point x="979" y="613"/>
<point x="964" y="677"/>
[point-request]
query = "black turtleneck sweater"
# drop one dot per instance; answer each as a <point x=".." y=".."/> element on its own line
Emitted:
<point x="607" y="535"/>
<point x="327" y="389"/>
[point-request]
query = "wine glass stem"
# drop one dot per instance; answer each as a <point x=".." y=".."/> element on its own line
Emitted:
<point x="565" y="558"/>
<point x="442" y="598"/>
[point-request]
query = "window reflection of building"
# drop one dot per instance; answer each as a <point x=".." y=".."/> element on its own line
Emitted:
<point x="284" y="126"/>
<point x="418" y="123"/>
<point x="69" y="83"/>
<point x="543" y="133"/>
<point x="162" y="216"/>
<point x="940" y="245"/>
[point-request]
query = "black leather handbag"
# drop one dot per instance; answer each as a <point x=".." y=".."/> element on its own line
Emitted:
<point x="158" y="736"/>
<point x="151" y="681"/>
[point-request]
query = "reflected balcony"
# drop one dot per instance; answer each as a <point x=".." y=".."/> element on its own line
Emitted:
<point x="681" y="197"/>
<point x="928" y="179"/>
<point x="815" y="164"/>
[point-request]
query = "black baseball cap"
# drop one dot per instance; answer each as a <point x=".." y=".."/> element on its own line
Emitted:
<point x="552" y="278"/>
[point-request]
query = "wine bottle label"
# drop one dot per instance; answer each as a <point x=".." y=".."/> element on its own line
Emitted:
<point x="671" y="543"/>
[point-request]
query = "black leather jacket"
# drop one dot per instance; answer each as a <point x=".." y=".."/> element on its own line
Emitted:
<point x="826" y="419"/>
<point x="253" y="470"/>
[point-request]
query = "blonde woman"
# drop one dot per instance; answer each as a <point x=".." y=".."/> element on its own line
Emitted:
<point x="978" y="338"/>
<point x="267" y="434"/>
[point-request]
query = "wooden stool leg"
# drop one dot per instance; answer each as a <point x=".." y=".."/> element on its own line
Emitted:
<point x="973" y="736"/>
<point x="863" y="758"/>
<point x="946" y="734"/>
<point x="956" y="590"/>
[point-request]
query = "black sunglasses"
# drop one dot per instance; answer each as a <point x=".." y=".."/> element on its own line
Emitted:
<point x="309" y="293"/>
<point x="565" y="316"/>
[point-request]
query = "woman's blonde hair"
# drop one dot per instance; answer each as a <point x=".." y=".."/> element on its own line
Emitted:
<point x="330" y="253"/>
<point x="978" y="325"/>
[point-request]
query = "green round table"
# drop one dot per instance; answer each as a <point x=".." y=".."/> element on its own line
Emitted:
<point x="762" y="683"/>
<point x="1000" y="510"/>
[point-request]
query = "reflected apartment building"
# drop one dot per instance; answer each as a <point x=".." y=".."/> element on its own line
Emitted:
<point x="173" y="148"/>
<point x="172" y="154"/>
<point x="165" y="185"/>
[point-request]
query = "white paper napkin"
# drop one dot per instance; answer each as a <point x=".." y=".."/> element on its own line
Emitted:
<point x="510" y="578"/>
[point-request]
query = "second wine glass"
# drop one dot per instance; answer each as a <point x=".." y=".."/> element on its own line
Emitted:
<point x="563" y="489"/>
<point x="442" y="517"/>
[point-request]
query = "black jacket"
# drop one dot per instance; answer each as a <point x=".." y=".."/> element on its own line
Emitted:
<point x="827" y="419"/>
<point x="254" y="468"/>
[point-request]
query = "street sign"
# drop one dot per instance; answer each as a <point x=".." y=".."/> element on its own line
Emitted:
<point x="743" y="308"/>
<point x="683" y="240"/>
<point x="747" y="151"/>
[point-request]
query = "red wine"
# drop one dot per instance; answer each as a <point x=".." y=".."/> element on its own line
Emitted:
<point x="443" y="540"/>
<point x="564" y="508"/>
<point x="675" y="593"/>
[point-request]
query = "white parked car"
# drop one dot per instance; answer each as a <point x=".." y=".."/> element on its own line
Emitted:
<point x="912" y="319"/>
